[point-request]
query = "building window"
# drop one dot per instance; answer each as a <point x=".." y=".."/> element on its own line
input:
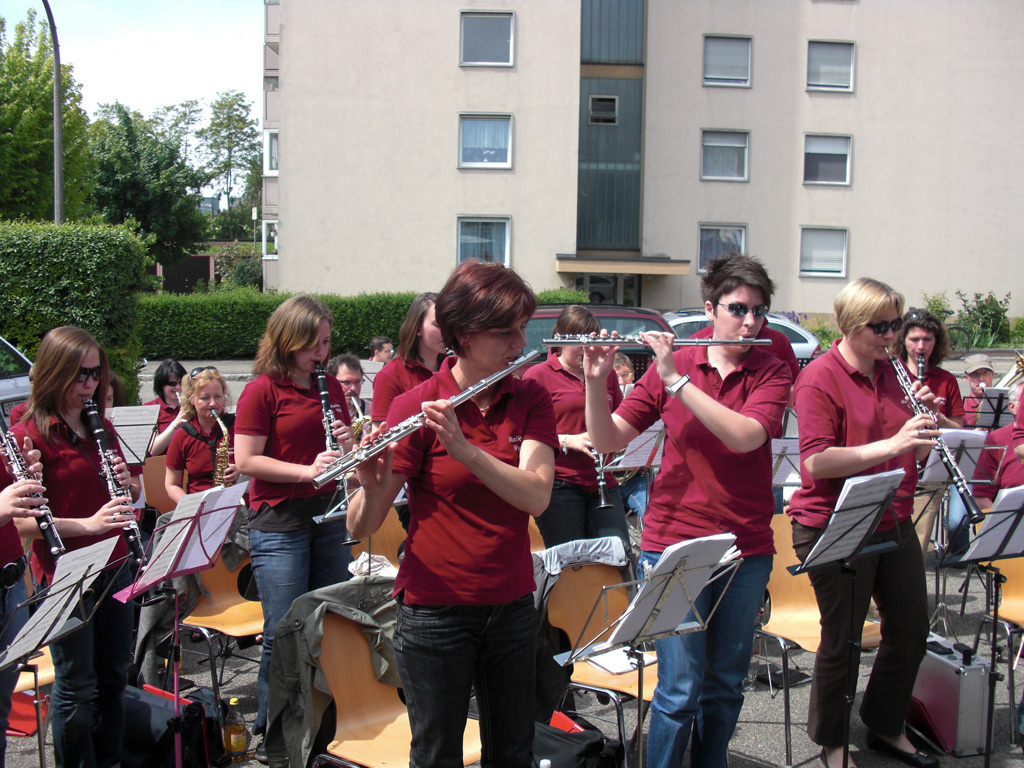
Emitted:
<point x="829" y="66"/>
<point x="485" y="239"/>
<point x="485" y="141"/>
<point x="270" y="153"/>
<point x="724" y="155"/>
<point x="826" y="160"/>
<point x="720" y="240"/>
<point x="269" y="239"/>
<point x="823" y="252"/>
<point x="604" y="110"/>
<point x="486" y="40"/>
<point x="727" y="61"/>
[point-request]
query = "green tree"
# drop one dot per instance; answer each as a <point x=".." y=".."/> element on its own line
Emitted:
<point x="26" y="128"/>
<point x="180" y="121"/>
<point x="142" y="177"/>
<point x="230" y="140"/>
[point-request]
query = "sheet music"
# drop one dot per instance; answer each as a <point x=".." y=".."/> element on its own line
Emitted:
<point x="786" y="461"/>
<point x="644" y="450"/>
<point x="971" y="440"/>
<point x="992" y="410"/>
<point x="136" y="427"/>
<point x="1004" y="515"/>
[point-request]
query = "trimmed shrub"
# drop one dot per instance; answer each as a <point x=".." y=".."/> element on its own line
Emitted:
<point x="562" y="296"/>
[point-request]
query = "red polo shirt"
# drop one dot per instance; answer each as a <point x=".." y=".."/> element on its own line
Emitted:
<point x="781" y="347"/>
<point x="839" y="406"/>
<point x="193" y="455"/>
<point x="703" y="486"/>
<point x="399" y="375"/>
<point x="291" y="419"/>
<point x="74" y="486"/>
<point x="10" y="542"/>
<point x="166" y="416"/>
<point x="1006" y="472"/>
<point x="570" y="400"/>
<point x="466" y="545"/>
<point x="942" y="383"/>
<point x="1018" y="429"/>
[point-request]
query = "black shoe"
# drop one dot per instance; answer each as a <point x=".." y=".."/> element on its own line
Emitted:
<point x="916" y="759"/>
<point x="261" y="752"/>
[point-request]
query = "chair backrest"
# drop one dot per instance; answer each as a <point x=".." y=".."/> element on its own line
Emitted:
<point x="1012" y="606"/>
<point x="385" y="541"/>
<point x="792" y="596"/>
<point x="574" y="595"/>
<point x="154" y="472"/>
<point x="536" y="540"/>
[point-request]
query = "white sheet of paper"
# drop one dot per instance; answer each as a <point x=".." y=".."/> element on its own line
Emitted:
<point x="972" y="441"/>
<point x="990" y="541"/>
<point x="136" y="426"/>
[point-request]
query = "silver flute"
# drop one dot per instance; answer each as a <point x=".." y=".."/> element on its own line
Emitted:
<point x="132" y="534"/>
<point x="974" y="513"/>
<point x="361" y="453"/>
<point x="19" y="468"/>
<point x="325" y="406"/>
<point x="635" y="340"/>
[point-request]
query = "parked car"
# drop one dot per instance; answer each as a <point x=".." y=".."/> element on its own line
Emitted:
<point x="613" y="317"/>
<point x="14" y="386"/>
<point x="686" y="322"/>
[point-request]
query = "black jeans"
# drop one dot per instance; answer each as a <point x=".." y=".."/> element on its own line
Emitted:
<point x="574" y="514"/>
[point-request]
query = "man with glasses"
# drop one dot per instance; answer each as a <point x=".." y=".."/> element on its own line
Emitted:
<point x="979" y="373"/>
<point x="347" y="370"/>
<point x="381" y="349"/>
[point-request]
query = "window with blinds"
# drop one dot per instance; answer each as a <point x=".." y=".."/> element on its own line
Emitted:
<point x="485" y="141"/>
<point x="829" y="66"/>
<point x="823" y="251"/>
<point x="826" y="159"/>
<point x="727" y="61"/>
<point x="724" y="155"/>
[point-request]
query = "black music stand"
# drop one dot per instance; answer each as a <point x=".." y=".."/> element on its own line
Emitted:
<point x="993" y="411"/>
<point x="136" y="429"/>
<point x="191" y="542"/>
<point x="663" y="606"/>
<point x="861" y="505"/>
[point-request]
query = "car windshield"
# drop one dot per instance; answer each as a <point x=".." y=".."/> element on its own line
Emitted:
<point x="11" y="362"/>
<point x="539" y="328"/>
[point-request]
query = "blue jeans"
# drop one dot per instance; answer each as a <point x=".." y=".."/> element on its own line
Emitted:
<point x="700" y="674"/>
<point x="634" y="491"/>
<point x="443" y="653"/>
<point x="10" y="599"/>
<point x="91" y="668"/>
<point x="287" y="564"/>
<point x="574" y="514"/>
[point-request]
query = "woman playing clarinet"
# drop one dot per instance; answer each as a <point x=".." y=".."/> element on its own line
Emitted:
<point x="854" y="421"/>
<point x="466" y="619"/>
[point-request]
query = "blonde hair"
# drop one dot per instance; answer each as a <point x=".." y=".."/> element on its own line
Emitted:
<point x="292" y="328"/>
<point x="192" y="384"/>
<point x="863" y="301"/>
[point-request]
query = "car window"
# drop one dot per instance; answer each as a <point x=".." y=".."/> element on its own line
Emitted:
<point x="538" y="329"/>
<point x="11" y="363"/>
<point x="630" y="326"/>
<point x="687" y="328"/>
<point x="794" y="336"/>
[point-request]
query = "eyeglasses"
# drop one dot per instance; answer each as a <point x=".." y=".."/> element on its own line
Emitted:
<point x="84" y="374"/>
<point x="351" y="382"/>
<point x="197" y="371"/>
<point x="883" y="327"/>
<point x="738" y="309"/>
<point x="173" y="383"/>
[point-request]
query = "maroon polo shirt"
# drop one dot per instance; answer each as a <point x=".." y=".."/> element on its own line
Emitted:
<point x="166" y="416"/>
<point x="838" y="406"/>
<point x="1018" y="429"/>
<point x="943" y="384"/>
<point x="570" y="401"/>
<point x="74" y="486"/>
<point x="291" y="419"/>
<point x="466" y="545"/>
<point x="781" y="347"/>
<point x="193" y="455"/>
<point x="703" y="486"/>
<point x="10" y="542"/>
<point x="1005" y="472"/>
<point x="399" y="375"/>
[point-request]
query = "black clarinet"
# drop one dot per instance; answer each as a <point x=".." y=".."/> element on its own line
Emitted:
<point x="921" y="365"/>
<point x="325" y="405"/>
<point x="132" y="534"/>
<point x="19" y="468"/>
<point x="974" y="513"/>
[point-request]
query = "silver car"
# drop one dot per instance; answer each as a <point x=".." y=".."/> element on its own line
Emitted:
<point x="14" y="386"/>
<point x="686" y="322"/>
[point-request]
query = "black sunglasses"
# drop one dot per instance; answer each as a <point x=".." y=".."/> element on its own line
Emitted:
<point x="883" y="327"/>
<point x="738" y="309"/>
<point x="197" y="371"/>
<point x="85" y="373"/>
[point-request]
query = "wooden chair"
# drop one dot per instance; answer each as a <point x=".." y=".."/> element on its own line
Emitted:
<point x="794" y="621"/>
<point x="385" y="541"/>
<point x="371" y="722"/>
<point x="154" y="473"/>
<point x="569" y="606"/>
<point x="28" y="691"/>
<point x="536" y="540"/>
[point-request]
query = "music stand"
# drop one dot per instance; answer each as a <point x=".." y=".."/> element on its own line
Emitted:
<point x="661" y="607"/>
<point x="1001" y="538"/>
<point x="191" y="542"/>
<point x="860" y="507"/>
<point x="993" y="409"/>
<point x="136" y="429"/>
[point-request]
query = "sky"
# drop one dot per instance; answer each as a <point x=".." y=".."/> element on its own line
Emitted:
<point x="149" y="54"/>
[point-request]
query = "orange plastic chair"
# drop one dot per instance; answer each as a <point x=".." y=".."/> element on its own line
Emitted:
<point x="372" y="723"/>
<point x="385" y="541"/>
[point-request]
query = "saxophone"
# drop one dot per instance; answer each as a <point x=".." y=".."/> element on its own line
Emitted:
<point x="223" y="455"/>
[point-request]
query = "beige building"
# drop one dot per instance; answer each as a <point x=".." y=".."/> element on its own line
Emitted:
<point x="616" y="145"/>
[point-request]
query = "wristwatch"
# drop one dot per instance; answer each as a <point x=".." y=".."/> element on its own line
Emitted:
<point x="681" y="382"/>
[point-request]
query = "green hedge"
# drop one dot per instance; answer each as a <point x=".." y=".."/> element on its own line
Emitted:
<point x="73" y="274"/>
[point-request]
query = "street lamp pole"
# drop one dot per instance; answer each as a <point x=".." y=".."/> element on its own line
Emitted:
<point x="58" y="124"/>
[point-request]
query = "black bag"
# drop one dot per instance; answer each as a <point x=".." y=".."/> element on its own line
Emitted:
<point x="149" y="740"/>
<point x="588" y="748"/>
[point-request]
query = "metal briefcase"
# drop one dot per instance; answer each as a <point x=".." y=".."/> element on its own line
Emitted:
<point x="950" y="706"/>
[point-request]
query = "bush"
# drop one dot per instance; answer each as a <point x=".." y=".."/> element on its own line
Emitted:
<point x="826" y="335"/>
<point x="562" y="296"/>
<point x="937" y="304"/>
<point x="985" y="318"/>
<point x="1018" y="332"/>
<point x="249" y="274"/>
<point x="73" y="274"/>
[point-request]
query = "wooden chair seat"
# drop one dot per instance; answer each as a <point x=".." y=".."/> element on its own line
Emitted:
<point x="385" y="541"/>
<point x="372" y="723"/>
<point x="225" y="610"/>
<point x="26" y="681"/>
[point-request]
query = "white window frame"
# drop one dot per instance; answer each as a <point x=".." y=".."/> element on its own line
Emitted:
<point x="271" y="136"/>
<point x="269" y="224"/>
<point x="511" y="45"/>
<point x="485" y="116"/>
<point x="823" y="141"/>
<point x="824" y="86"/>
<point x="746" y="153"/>
<point x="603" y="117"/>
<point x="705" y="226"/>
<point x="506" y="220"/>
<point x="816" y="270"/>
<point x="728" y="82"/>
